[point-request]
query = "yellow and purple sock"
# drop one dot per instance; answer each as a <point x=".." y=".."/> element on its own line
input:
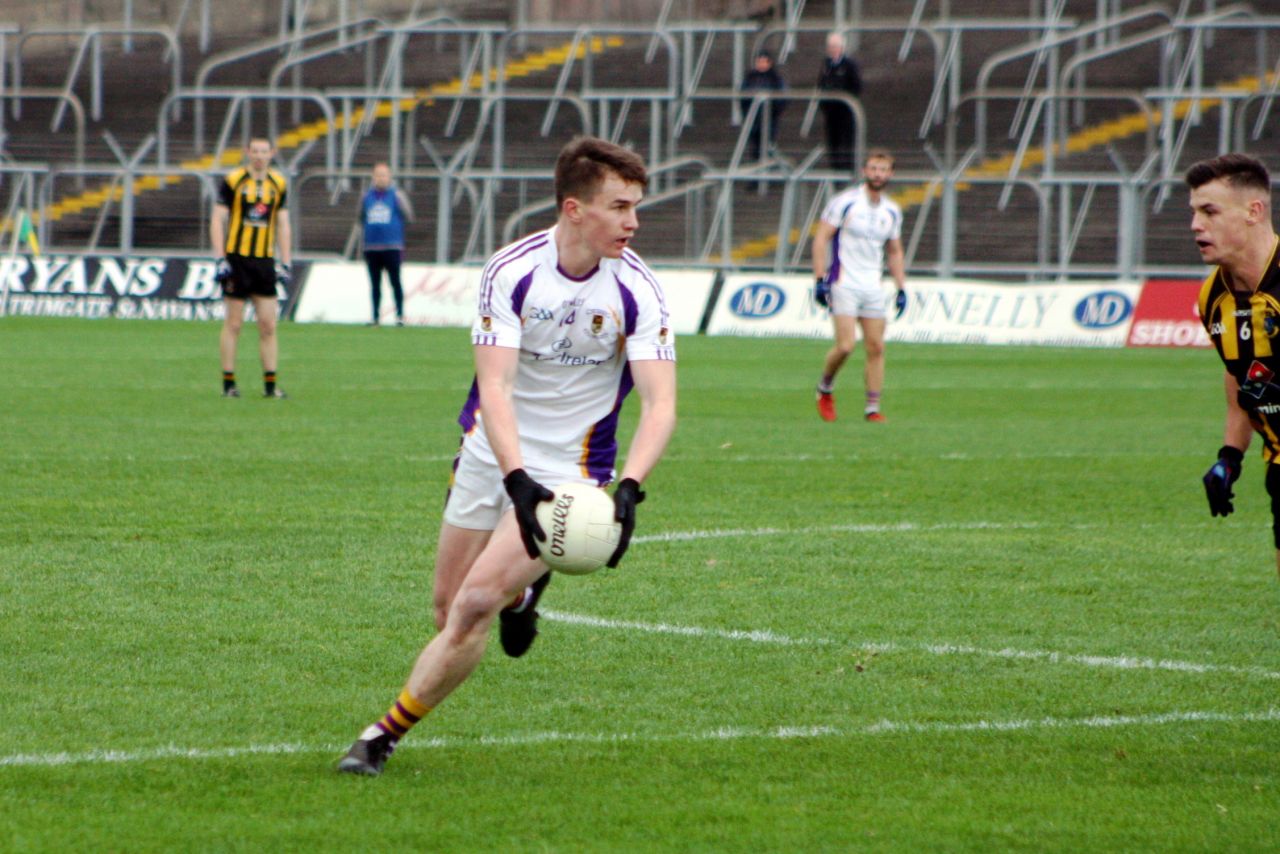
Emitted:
<point x="401" y="717"/>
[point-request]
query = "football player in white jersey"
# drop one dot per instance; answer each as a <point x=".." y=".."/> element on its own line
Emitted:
<point x="569" y="321"/>
<point x="860" y="232"/>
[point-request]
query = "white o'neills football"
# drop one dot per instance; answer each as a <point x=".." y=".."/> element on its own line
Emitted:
<point x="581" y="531"/>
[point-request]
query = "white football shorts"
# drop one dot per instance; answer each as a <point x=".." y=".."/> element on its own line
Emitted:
<point x="859" y="299"/>
<point x="477" y="498"/>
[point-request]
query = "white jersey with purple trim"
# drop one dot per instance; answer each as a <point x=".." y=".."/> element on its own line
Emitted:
<point x="862" y="228"/>
<point x="575" y="337"/>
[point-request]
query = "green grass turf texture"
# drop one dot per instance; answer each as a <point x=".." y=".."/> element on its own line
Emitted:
<point x="187" y="573"/>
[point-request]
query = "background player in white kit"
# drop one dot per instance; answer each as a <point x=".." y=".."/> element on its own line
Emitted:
<point x="859" y="233"/>
<point x="569" y="321"/>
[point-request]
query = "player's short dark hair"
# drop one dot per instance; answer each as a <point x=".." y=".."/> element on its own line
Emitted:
<point x="1236" y="169"/>
<point x="586" y="161"/>
<point x="878" y="154"/>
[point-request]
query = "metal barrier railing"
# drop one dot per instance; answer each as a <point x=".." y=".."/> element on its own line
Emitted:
<point x="238" y="103"/>
<point x="90" y="43"/>
<point x="1063" y="201"/>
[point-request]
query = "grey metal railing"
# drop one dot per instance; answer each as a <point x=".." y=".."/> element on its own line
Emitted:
<point x="239" y="102"/>
<point x="343" y="33"/>
<point x="90" y="44"/>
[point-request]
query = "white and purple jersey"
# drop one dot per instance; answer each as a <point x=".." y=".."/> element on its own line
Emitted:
<point x="862" y="228"/>
<point x="576" y="337"/>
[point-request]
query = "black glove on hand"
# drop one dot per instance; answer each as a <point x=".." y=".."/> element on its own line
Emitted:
<point x="526" y="493"/>
<point x="625" y="499"/>
<point x="900" y="303"/>
<point x="221" y="270"/>
<point x="1218" y="480"/>
<point x="822" y="292"/>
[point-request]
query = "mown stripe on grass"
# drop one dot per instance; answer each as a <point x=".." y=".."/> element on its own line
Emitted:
<point x="724" y="733"/>
<point x="1116" y="662"/>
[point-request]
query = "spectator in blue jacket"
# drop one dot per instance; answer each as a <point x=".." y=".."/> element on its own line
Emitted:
<point x="384" y="211"/>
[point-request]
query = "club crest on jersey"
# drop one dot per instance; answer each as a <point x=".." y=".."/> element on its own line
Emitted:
<point x="1259" y="372"/>
<point x="486" y="323"/>
<point x="597" y="322"/>
<point x="662" y="335"/>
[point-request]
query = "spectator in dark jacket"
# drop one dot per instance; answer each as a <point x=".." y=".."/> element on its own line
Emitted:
<point x="763" y="77"/>
<point x="839" y="74"/>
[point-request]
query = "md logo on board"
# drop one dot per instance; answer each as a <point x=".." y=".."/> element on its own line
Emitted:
<point x="757" y="300"/>
<point x="1103" y="310"/>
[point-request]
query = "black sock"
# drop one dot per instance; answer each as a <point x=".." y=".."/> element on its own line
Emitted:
<point x="228" y="380"/>
<point x="269" y="382"/>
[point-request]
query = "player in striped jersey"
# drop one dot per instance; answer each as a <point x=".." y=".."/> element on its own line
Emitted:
<point x="860" y="232"/>
<point x="569" y="320"/>
<point x="249" y="224"/>
<point x="1240" y="308"/>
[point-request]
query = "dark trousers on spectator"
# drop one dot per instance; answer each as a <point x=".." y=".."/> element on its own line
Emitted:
<point x="839" y="121"/>
<point x="378" y="260"/>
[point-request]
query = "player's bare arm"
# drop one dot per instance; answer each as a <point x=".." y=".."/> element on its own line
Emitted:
<point x="218" y="228"/>
<point x="496" y="381"/>
<point x="284" y="237"/>
<point x="1238" y="431"/>
<point x="895" y="260"/>
<point x="655" y="382"/>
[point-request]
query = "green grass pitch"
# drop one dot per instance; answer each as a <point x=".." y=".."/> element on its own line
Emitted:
<point x="1004" y="620"/>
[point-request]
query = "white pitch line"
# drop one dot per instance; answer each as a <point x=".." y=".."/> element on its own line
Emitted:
<point x="1125" y="662"/>
<point x="724" y="733"/>
<point x="764" y="636"/>
<point x="895" y="527"/>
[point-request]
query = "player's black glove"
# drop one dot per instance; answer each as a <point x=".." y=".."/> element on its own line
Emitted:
<point x="625" y="499"/>
<point x="1218" y="480"/>
<point x="221" y="270"/>
<point x="284" y="274"/>
<point x="526" y="493"/>
<point x="900" y="303"/>
<point x="822" y="292"/>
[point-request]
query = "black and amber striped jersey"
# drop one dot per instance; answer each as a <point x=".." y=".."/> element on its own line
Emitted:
<point x="1245" y="327"/>
<point x="254" y="206"/>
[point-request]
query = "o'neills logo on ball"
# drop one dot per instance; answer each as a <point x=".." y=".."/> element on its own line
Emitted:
<point x="559" y="516"/>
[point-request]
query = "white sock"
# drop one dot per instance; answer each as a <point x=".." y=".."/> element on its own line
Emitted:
<point x="524" y="601"/>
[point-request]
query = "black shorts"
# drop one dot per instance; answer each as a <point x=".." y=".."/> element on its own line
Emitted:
<point x="250" y="277"/>
<point x="1273" y="489"/>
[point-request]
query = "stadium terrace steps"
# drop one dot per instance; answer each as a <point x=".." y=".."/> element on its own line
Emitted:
<point x="170" y="214"/>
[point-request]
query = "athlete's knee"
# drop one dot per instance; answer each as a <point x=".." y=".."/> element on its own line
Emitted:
<point x="232" y="327"/>
<point x="474" y="608"/>
<point x="844" y="349"/>
<point x="874" y="349"/>
<point x="440" y="608"/>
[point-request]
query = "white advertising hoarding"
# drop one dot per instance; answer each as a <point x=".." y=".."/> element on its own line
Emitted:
<point x="433" y="295"/>
<point x="1096" y="314"/>
<point x="446" y="295"/>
